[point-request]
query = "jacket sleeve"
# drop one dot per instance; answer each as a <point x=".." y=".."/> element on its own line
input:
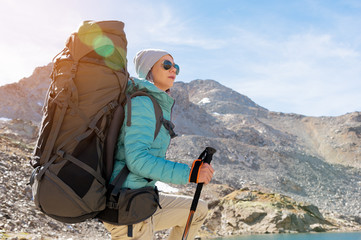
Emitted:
<point x="138" y="142"/>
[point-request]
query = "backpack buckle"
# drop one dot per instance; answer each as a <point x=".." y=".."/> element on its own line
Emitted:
<point x="73" y="70"/>
<point x="60" y="153"/>
<point x="112" y="205"/>
<point x="113" y="105"/>
<point x="99" y="133"/>
<point x="169" y="126"/>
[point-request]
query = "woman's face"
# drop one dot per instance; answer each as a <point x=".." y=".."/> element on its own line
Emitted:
<point x="162" y="78"/>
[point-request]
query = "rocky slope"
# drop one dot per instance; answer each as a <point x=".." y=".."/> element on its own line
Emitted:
<point x="248" y="211"/>
<point x="18" y="217"/>
<point x="232" y="212"/>
<point x="311" y="159"/>
<point x="24" y="100"/>
<point x="307" y="158"/>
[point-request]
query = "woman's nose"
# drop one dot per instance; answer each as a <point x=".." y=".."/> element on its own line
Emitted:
<point x="173" y="69"/>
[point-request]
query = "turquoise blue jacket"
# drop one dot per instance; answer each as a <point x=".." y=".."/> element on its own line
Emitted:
<point x="136" y="147"/>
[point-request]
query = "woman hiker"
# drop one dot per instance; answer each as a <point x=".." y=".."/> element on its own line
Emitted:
<point x="145" y="156"/>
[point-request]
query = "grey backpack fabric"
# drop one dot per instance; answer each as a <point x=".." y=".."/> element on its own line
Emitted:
<point x="82" y="115"/>
<point x="88" y="83"/>
<point x="128" y="206"/>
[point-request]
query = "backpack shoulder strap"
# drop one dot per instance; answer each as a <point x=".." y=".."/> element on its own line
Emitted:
<point x="157" y="110"/>
<point x="116" y="124"/>
<point x="112" y="138"/>
<point x="117" y="183"/>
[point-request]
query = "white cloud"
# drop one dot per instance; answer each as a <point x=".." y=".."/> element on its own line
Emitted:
<point x="161" y="25"/>
<point x="310" y="72"/>
<point x="280" y="68"/>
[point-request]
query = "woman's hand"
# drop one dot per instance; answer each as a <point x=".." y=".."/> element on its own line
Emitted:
<point x="205" y="173"/>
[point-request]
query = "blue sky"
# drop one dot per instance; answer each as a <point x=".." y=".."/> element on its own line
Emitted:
<point x="298" y="56"/>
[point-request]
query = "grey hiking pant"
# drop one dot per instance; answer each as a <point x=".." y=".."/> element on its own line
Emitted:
<point x="174" y="214"/>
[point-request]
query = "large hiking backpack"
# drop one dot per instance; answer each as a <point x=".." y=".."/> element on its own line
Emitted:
<point x="82" y="116"/>
<point x="89" y="78"/>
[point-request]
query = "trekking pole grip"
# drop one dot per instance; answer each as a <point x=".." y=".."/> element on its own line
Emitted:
<point x="209" y="154"/>
<point x="206" y="157"/>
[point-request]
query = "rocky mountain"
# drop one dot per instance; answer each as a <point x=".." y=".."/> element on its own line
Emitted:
<point x="315" y="160"/>
<point x="24" y="99"/>
<point x="231" y="211"/>
<point x="246" y="211"/>
<point x="18" y="217"/>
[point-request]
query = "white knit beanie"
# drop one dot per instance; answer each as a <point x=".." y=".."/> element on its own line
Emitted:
<point x="145" y="59"/>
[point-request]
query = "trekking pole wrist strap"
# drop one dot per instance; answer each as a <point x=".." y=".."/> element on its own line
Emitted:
<point x="194" y="174"/>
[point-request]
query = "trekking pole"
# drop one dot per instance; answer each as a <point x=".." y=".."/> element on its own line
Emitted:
<point x="206" y="157"/>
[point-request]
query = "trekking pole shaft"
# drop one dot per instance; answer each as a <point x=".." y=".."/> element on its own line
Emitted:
<point x="206" y="157"/>
<point x="189" y="221"/>
<point x="196" y="196"/>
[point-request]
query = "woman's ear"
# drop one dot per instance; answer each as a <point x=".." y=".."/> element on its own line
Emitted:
<point x="149" y="76"/>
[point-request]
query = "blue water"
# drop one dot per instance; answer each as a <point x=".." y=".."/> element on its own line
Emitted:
<point x="300" y="236"/>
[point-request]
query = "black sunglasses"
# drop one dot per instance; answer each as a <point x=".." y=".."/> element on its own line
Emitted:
<point x="168" y="65"/>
